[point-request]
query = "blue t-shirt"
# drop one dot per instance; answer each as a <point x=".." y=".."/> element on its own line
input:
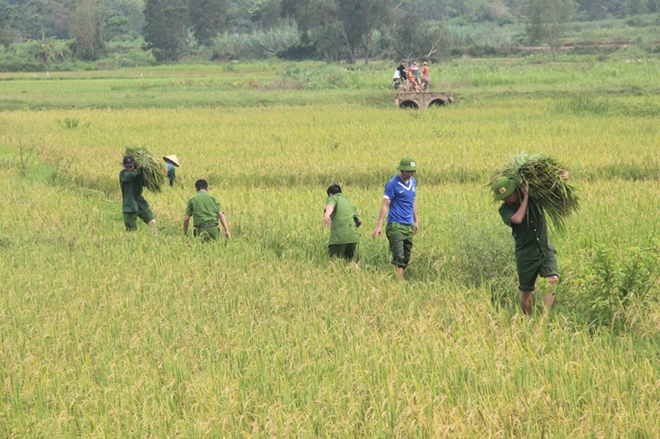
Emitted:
<point x="402" y="199"/>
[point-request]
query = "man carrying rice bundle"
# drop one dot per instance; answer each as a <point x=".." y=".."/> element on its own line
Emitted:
<point x="131" y="181"/>
<point x="535" y="252"/>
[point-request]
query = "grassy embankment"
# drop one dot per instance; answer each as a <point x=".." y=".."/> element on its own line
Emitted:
<point x="107" y="334"/>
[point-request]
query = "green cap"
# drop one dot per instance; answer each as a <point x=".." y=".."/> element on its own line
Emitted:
<point x="503" y="187"/>
<point x="407" y="164"/>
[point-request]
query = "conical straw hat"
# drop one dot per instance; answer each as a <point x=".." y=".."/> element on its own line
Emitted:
<point x="172" y="159"/>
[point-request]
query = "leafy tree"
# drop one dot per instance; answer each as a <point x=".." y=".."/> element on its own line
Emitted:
<point x="415" y="38"/>
<point x="131" y="11"/>
<point x="548" y="21"/>
<point x="9" y="24"/>
<point x="85" y="22"/>
<point x="207" y="18"/>
<point x="166" y="28"/>
<point x="354" y="20"/>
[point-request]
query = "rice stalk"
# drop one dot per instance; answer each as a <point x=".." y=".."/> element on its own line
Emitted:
<point x="541" y="175"/>
<point x="153" y="169"/>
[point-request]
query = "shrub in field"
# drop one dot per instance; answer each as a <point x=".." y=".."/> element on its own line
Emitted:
<point x="608" y="282"/>
<point x="482" y="253"/>
<point x="69" y="123"/>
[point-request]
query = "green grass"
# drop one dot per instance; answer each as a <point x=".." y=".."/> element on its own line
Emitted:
<point x="279" y="83"/>
<point x="105" y="333"/>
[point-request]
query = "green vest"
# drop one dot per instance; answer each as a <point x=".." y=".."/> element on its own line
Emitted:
<point x="344" y="221"/>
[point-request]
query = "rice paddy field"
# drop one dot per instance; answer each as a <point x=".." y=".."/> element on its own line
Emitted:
<point x="109" y="334"/>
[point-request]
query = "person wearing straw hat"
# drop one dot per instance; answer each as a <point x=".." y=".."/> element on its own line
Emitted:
<point x="535" y="253"/>
<point x="172" y="162"/>
<point x="342" y="217"/>
<point x="131" y="181"/>
<point x="205" y="211"/>
<point x="401" y="210"/>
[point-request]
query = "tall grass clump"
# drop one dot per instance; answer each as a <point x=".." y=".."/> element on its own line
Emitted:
<point x="608" y="285"/>
<point x="154" y="170"/>
<point x="542" y="176"/>
<point x="482" y="255"/>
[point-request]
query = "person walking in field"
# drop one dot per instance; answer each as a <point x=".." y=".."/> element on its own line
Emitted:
<point x="205" y="211"/>
<point x="535" y="253"/>
<point x="401" y="210"/>
<point x="131" y="181"/>
<point x="342" y="218"/>
<point x="172" y="162"/>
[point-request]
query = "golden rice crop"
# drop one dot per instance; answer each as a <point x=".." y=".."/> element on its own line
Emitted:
<point x="154" y="170"/>
<point x="542" y="176"/>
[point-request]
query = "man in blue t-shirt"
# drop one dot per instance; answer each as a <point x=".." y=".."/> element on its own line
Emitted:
<point x="399" y="205"/>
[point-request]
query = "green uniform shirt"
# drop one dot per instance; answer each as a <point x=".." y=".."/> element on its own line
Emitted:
<point x="204" y="208"/>
<point x="531" y="236"/>
<point x="344" y="221"/>
<point x="131" y="183"/>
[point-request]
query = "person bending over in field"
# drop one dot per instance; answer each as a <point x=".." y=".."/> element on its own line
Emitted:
<point x="205" y="211"/>
<point x="342" y="217"/>
<point x="399" y="205"/>
<point x="535" y="252"/>
<point x="172" y="162"/>
<point x="131" y="181"/>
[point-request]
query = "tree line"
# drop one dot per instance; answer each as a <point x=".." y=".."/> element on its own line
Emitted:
<point x="330" y="29"/>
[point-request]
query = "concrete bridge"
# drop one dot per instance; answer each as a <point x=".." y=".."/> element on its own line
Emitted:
<point x="416" y="100"/>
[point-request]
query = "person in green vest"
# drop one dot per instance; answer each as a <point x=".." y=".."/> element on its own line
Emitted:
<point x="205" y="211"/>
<point x="535" y="253"/>
<point x="131" y="181"/>
<point x="342" y="218"/>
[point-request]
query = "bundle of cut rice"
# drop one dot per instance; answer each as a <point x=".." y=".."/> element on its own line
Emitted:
<point x="542" y="176"/>
<point x="153" y="169"/>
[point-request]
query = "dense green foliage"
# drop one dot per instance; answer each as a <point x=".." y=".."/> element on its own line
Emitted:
<point x="332" y="30"/>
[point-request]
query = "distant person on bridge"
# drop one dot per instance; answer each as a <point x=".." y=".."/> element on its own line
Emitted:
<point x="403" y="73"/>
<point x="425" y="77"/>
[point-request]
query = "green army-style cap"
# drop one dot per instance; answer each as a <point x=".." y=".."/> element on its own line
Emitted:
<point x="503" y="187"/>
<point x="407" y="164"/>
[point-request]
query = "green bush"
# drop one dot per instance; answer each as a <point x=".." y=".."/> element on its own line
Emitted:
<point x="13" y="63"/>
<point x="606" y="283"/>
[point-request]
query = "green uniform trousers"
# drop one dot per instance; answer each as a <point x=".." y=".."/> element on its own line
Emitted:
<point x="207" y="234"/>
<point x="400" y="237"/>
<point x="130" y="218"/>
<point x="345" y="251"/>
